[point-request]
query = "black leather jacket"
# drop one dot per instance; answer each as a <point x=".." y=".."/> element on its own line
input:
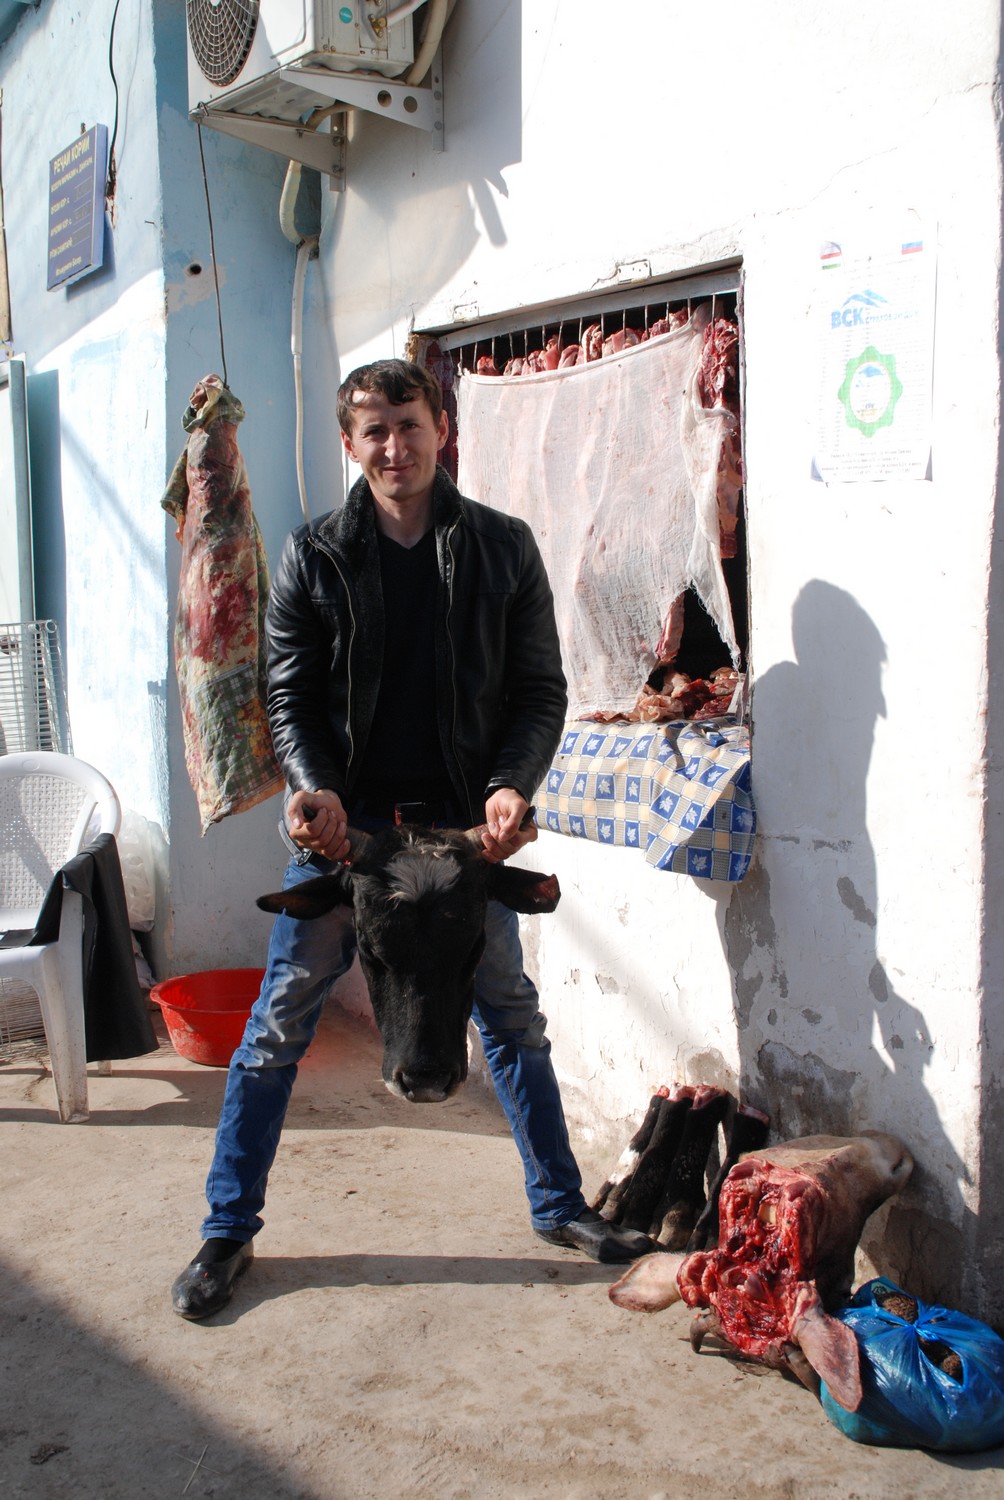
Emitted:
<point x="500" y="689"/>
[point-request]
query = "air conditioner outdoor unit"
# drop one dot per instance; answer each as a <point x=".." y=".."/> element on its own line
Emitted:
<point x="258" y="69"/>
<point x="241" y="51"/>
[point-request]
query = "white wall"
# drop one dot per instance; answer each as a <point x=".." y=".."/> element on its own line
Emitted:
<point x="840" y="985"/>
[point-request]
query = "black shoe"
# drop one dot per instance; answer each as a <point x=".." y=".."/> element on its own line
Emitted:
<point x="207" y="1283"/>
<point x="599" y="1240"/>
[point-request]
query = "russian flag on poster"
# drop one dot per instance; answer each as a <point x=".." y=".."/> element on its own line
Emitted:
<point x="912" y="247"/>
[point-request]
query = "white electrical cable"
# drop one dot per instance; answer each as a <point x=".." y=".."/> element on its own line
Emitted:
<point x="401" y="11"/>
<point x="287" y="202"/>
<point x="439" y="11"/>
<point x="303" y="253"/>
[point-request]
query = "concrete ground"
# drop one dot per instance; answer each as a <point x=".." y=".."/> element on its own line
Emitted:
<point x="401" y="1332"/>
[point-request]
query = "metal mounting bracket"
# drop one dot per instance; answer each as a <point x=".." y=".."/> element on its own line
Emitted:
<point x="323" y="151"/>
<point x="421" y="107"/>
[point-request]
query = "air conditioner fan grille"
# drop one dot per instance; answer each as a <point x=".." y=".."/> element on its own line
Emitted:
<point x="221" y="33"/>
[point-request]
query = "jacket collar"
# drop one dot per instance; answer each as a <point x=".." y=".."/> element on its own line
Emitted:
<point x="352" y="532"/>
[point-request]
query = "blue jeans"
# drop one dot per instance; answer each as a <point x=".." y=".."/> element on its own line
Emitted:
<point x="304" y="960"/>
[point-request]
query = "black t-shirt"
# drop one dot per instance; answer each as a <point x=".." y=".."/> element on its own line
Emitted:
<point x="403" y="760"/>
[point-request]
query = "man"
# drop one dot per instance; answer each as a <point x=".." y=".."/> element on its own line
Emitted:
<point x="411" y="605"/>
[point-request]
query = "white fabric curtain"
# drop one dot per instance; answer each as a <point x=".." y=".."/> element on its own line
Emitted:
<point x="614" y="464"/>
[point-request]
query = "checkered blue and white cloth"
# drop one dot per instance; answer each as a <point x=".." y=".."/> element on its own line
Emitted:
<point x="680" y="792"/>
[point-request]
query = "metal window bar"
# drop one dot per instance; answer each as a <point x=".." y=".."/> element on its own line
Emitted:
<point x="33" y="712"/>
<point x="598" y="307"/>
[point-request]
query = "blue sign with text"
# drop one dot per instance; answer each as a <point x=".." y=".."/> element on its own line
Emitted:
<point x="77" y="208"/>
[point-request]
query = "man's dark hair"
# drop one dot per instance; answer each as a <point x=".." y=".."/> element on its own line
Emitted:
<point x="395" y="379"/>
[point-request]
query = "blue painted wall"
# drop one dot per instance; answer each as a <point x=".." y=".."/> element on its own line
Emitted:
<point x="112" y="362"/>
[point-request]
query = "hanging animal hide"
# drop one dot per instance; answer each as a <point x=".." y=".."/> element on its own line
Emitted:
<point x="222" y="593"/>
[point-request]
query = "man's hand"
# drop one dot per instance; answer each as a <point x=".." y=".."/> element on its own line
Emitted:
<point x="504" y="812"/>
<point x="317" y="821"/>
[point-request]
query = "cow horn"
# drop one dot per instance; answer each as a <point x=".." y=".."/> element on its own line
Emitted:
<point x="358" y="842"/>
<point x="527" y="826"/>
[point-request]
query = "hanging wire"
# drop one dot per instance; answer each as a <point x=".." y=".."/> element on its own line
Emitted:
<point x="112" y="169"/>
<point x="212" y="254"/>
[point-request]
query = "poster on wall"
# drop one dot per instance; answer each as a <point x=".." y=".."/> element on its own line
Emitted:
<point x="874" y="316"/>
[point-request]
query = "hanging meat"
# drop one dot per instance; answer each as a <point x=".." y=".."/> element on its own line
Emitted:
<point x="619" y="340"/>
<point x="222" y="593"/>
<point x="669" y="324"/>
<point x="592" y="341"/>
<point x="718" y="387"/>
<point x="790" y="1218"/>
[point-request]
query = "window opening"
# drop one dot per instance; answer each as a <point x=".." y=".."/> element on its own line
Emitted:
<point x="693" y="677"/>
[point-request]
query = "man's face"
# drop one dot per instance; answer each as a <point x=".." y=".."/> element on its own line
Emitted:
<point x="395" y="446"/>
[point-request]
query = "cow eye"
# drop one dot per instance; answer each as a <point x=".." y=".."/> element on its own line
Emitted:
<point x="368" y="954"/>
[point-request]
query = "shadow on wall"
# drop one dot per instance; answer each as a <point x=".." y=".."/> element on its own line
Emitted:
<point x="801" y="940"/>
<point x="988" y="1264"/>
<point x="458" y="191"/>
<point x="388" y="250"/>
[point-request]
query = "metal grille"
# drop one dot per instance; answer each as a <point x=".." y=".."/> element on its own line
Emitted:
<point x="221" y="33"/>
<point x="32" y="689"/>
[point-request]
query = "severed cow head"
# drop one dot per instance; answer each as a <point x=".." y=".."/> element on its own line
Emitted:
<point x="419" y="900"/>
<point x="790" y="1220"/>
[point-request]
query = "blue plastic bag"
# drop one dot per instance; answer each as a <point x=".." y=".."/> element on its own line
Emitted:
<point x="908" y="1401"/>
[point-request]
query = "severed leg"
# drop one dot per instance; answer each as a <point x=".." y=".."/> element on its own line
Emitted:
<point x="649" y="1180"/>
<point x="748" y="1132"/>
<point x="684" y="1195"/>
<point x="608" y="1200"/>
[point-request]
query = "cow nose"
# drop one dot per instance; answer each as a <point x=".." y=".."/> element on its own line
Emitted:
<point x="425" y="1087"/>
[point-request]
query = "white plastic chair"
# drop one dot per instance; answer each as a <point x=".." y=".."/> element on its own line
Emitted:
<point x="50" y="806"/>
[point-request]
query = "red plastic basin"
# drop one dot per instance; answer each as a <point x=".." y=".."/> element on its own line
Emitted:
<point x="205" y="1013"/>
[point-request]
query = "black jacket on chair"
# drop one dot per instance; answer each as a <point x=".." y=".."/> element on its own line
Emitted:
<point x="500" y="690"/>
<point x="116" y="1016"/>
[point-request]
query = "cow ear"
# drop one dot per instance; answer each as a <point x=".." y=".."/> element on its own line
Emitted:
<point x="523" y="890"/>
<point x="314" y="898"/>
<point x="832" y="1349"/>
<point x="650" y="1285"/>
